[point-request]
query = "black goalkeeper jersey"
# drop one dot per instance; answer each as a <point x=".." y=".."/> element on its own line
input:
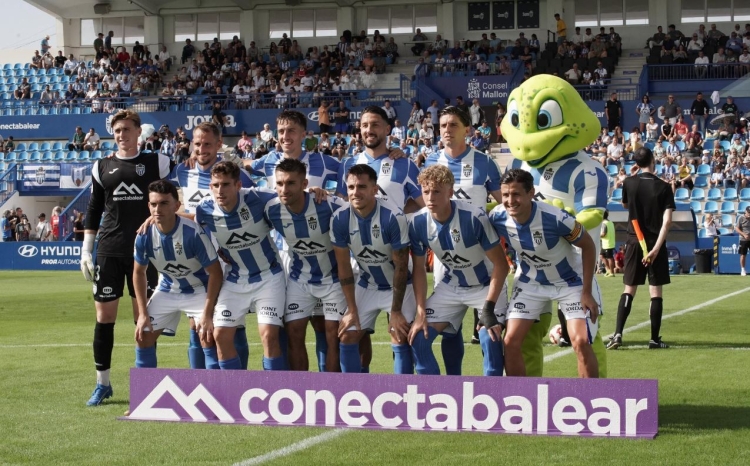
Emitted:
<point x="119" y="191"/>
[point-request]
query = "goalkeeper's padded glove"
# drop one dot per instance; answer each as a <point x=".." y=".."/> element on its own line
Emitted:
<point x="87" y="261"/>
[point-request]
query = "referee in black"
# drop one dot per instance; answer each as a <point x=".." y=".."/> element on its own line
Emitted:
<point x="650" y="201"/>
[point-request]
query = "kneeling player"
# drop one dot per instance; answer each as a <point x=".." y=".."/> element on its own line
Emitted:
<point x="236" y="217"/>
<point x="304" y="224"/>
<point x="475" y="269"/>
<point x="542" y="236"/>
<point x="190" y="275"/>
<point x="376" y="233"/>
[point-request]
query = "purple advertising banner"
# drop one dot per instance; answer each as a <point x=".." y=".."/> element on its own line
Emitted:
<point x="541" y="406"/>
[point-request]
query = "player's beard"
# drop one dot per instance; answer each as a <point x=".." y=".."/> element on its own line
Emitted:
<point x="373" y="143"/>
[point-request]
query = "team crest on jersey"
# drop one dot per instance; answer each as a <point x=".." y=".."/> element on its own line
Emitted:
<point x="385" y="168"/>
<point x="178" y="248"/>
<point x="548" y="173"/>
<point x="244" y="213"/>
<point x="376" y="231"/>
<point x="456" y="235"/>
<point x="537" y="236"/>
<point x="140" y="169"/>
<point x="312" y="222"/>
<point x="40" y="175"/>
<point x="467" y="170"/>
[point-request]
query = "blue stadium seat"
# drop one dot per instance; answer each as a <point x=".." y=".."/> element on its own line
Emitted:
<point x="22" y="157"/>
<point x="698" y="194"/>
<point x="659" y="169"/>
<point x="20" y="147"/>
<point x="612" y="170"/>
<point x="730" y="194"/>
<point x="745" y="194"/>
<point x="726" y="145"/>
<point x="33" y="146"/>
<point x="106" y="145"/>
<point x="649" y="145"/>
<point x="708" y="143"/>
<point x="701" y="182"/>
<point x="44" y="146"/>
<point x="57" y="146"/>
<point x="727" y="207"/>
<point x="48" y="156"/>
<point x="724" y="231"/>
<point x="702" y="233"/>
<point x="71" y="156"/>
<point x="59" y="156"/>
<point x="616" y="195"/>
<point x="680" y="145"/>
<point x="696" y="206"/>
<point x="83" y="156"/>
<point x="10" y="157"/>
<point x="704" y="169"/>
<point x="96" y="155"/>
<point x="35" y="157"/>
<point x="727" y="220"/>
<point x="682" y="195"/>
<point x="742" y="206"/>
<point x="714" y="194"/>
<point x="711" y="207"/>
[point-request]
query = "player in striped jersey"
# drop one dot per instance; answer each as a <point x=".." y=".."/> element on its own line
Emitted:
<point x="190" y="275"/>
<point x="462" y="238"/>
<point x="313" y="274"/>
<point x="376" y="233"/>
<point x="291" y="127"/>
<point x="550" y="269"/>
<point x="235" y="217"/>
<point x="476" y="176"/>
<point x="194" y="182"/>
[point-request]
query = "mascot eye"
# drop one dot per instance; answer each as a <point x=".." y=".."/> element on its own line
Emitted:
<point x="550" y="115"/>
<point x="513" y="112"/>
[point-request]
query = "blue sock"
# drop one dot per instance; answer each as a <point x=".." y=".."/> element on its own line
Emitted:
<point x="424" y="358"/>
<point x="231" y="364"/>
<point x="195" y="352"/>
<point x="493" y="354"/>
<point x="452" y="348"/>
<point x="321" y="350"/>
<point x="365" y="370"/>
<point x="274" y="364"/>
<point x="240" y="344"/>
<point x="284" y="343"/>
<point x="349" y="355"/>
<point x="403" y="363"/>
<point x="212" y="358"/>
<point x="145" y="357"/>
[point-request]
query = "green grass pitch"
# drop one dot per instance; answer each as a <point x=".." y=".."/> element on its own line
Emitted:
<point x="47" y="374"/>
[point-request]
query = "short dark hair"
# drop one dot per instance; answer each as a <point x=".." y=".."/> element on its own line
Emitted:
<point x="226" y="168"/>
<point x="164" y="187"/>
<point x="362" y="169"/>
<point x="453" y="110"/>
<point x="643" y="157"/>
<point x="292" y="166"/>
<point x="292" y="116"/>
<point x="517" y="175"/>
<point x="377" y="111"/>
<point x="208" y="127"/>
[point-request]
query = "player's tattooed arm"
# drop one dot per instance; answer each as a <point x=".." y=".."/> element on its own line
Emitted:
<point x="347" y="281"/>
<point x="400" y="274"/>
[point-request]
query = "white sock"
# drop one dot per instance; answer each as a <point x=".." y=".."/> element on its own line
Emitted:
<point x="102" y="377"/>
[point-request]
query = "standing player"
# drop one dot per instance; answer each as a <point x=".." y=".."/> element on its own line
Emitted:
<point x="608" y="245"/>
<point x="118" y="187"/>
<point x="376" y="233"/>
<point x="312" y="276"/>
<point x="742" y="228"/>
<point x="190" y="279"/>
<point x="195" y="185"/>
<point x="550" y="269"/>
<point x="476" y="176"/>
<point x="397" y="179"/>
<point x="650" y="201"/>
<point x="235" y="216"/>
<point x="291" y="127"/>
<point x="463" y="240"/>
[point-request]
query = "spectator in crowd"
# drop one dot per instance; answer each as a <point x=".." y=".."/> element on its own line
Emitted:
<point x="10" y="145"/>
<point x="670" y="110"/>
<point x="187" y="51"/>
<point x="693" y="142"/>
<point x="55" y="222"/>
<point x="680" y="129"/>
<point x="717" y="177"/>
<point x="418" y="48"/>
<point x="485" y="131"/>
<point x="476" y="114"/>
<point x="711" y="224"/>
<point x="341" y="118"/>
<point x="23" y="229"/>
<point x="573" y="75"/>
<point x="43" y="228"/>
<point x="398" y="133"/>
<point x="266" y="136"/>
<point x="76" y="142"/>
<point x="78" y="228"/>
<point x="733" y="173"/>
<point x="390" y="111"/>
<point x="613" y="111"/>
<point x="701" y="65"/>
<point x="169" y="146"/>
<point x="645" y="109"/>
<point x="7" y="230"/>
<point x="182" y="145"/>
<point x="91" y="141"/>
<point x="730" y="108"/>
<point x="23" y="91"/>
<point x="562" y="29"/>
<point x="620" y="178"/>
<point x="416" y="116"/>
<point x="310" y="143"/>
<point x="684" y="175"/>
<point x="615" y="153"/>
<point x="427" y="134"/>
<point x="672" y="149"/>
<point x="70" y="67"/>
<point x="699" y="110"/>
<point x="657" y="40"/>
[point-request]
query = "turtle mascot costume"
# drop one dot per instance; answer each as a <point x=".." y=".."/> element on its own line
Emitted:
<point x="546" y="126"/>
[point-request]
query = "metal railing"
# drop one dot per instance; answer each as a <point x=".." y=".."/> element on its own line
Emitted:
<point x="8" y="183"/>
<point x="690" y="71"/>
<point x="67" y="216"/>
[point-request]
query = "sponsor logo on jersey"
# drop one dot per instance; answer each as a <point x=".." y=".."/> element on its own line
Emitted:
<point x="237" y="240"/>
<point x="140" y="169"/>
<point x="368" y="255"/>
<point x="454" y="260"/>
<point x="467" y="170"/>
<point x="312" y="222"/>
<point x="107" y="290"/>
<point x="309" y="247"/>
<point x="382" y="194"/>
<point x="267" y="311"/>
<point x="520" y="308"/>
<point x="461" y="194"/>
<point x="226" y="313"/>
<point x="176" y="270"/>
<point x="375" y="231"/>
<point x="196" y="197"/>
<point x="385" y="168"/>
<point x="538" y="261"/>
<point x="456" y="235"/>
<point x="125" y="192"/>
<point x="429" y="311"/>
<point x="178" y="248"/>
<point x="537" y="237"/>
<point x="548" y="173"/>
<point x="244" y="213"/>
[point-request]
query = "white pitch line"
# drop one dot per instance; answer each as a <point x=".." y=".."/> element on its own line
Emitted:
<point x="293" y="448"/>
<point x="635" y="327"/>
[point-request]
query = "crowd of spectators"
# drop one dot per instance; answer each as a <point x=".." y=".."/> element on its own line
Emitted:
<point x="16" y="226"/>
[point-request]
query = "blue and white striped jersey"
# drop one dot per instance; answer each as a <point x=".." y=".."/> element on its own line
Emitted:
<point x="543" y="245"/>
<point x="195" y="183"/>
<point x="180" y="256"/>
<point x="476" y="174"/>
<point x="397" y="179"/>
<point x="372" y="241"/>
<point x="320" y="168"/>
<point x="577" y="180"/>
<point x="242" y="235"/>
<point x="459" y="244"/>
<point x="307" y="234"/>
